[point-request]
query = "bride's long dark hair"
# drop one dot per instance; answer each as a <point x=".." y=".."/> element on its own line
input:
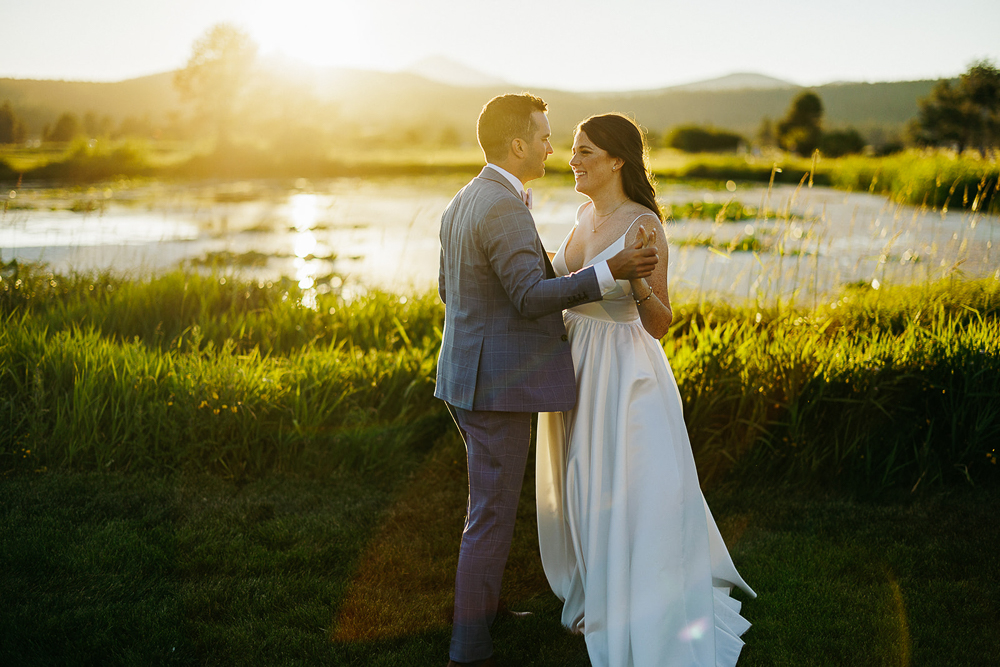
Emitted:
<point x="622" y="138"/>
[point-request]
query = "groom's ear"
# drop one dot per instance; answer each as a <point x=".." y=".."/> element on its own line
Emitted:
<point x="518" y="147"/>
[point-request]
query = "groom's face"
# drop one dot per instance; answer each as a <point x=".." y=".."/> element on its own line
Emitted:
<point x="538" y="147"/>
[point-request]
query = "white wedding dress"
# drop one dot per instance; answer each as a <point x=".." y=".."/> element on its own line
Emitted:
<point x="627" y="540"/>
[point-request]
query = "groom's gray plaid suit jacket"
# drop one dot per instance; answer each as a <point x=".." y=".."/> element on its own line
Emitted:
<point x="504" y="347"/>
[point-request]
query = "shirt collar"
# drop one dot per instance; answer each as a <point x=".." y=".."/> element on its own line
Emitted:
<point x="514" y="180"/>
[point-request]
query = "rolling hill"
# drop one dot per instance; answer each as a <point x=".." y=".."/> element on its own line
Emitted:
<point x="377" y="102"/>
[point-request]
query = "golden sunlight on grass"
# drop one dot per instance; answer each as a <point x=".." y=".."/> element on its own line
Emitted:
<point x="902" y="639"/>
<point x="404" y="584"/>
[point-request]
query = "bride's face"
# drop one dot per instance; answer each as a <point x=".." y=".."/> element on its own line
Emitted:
<point x="593" y="168"/>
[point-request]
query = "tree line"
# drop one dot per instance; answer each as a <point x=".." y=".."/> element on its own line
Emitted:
<point x="959" y="116"/>
<point x="799" y="131"/>
<point x="69" y="126"/>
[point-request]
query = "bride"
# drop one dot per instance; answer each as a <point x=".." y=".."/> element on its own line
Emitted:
<point x="627" y="540"/>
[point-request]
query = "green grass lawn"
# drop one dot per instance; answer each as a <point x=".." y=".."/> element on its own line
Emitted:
<point x="356" y="569"/>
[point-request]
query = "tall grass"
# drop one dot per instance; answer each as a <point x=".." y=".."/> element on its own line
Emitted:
<point x="809" y="401"/>
<point x="187" y="371"/>
<point x="184" y="311"/>
<point x="75" y="399"/>
<point x="938" y="179"/>
<point x="897" y="388"/>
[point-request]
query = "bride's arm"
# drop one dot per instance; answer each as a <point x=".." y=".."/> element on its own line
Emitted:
<point x="650" y="294"/>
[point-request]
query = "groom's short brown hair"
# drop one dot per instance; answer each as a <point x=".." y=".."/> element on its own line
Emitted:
<point x="504" y="119"/>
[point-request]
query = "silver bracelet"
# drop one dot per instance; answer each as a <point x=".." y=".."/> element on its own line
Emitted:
<point x="639" y="302"/>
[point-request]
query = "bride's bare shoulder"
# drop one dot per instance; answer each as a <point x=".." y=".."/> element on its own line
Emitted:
<point x="648" y="220"/>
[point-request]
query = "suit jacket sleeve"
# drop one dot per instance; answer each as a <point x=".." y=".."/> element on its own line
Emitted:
<point x="442" y="290"/>
<point x="510" y="241"/>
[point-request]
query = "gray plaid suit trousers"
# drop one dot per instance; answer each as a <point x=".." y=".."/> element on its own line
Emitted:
<point x="497" y="446"/>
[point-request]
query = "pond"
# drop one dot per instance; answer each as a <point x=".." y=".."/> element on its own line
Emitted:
<point x="346" y="234"/>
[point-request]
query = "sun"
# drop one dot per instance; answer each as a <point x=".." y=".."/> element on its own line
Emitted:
<point x="317" y="33"/>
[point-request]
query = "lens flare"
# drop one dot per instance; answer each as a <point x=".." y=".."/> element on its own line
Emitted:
<point x="694" y="630"/>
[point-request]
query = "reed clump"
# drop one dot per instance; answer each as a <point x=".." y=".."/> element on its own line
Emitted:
<point x="874" y="391"/>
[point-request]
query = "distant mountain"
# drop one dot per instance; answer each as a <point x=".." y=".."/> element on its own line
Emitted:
<point x="736" y="81"/>
<point x="445" y="70"/>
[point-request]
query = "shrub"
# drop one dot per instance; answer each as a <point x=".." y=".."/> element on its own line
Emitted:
<point x="696" y="139"/>
<point x="67" y="128"/>
<point x="841" y="142"/>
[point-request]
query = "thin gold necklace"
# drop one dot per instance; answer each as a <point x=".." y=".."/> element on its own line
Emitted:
<point x="606" y="217"/>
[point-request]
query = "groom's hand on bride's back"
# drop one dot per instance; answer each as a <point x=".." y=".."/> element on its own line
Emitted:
<point x="635" y="261"/>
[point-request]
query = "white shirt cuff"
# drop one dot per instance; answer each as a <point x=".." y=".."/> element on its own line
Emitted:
<point x="604" y="278"/>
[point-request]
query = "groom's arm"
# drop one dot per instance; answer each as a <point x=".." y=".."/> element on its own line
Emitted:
<point x="509" y="240"/>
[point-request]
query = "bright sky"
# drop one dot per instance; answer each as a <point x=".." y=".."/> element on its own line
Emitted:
<point x="563" y="44"/>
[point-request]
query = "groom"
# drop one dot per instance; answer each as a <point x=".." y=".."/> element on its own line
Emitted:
<point x="504" y="353"/>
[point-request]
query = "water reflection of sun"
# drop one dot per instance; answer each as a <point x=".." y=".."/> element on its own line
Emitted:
<point x="304" y="212"/>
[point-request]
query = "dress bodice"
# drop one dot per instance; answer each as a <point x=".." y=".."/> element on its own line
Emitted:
<point x="618" y="305"/>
